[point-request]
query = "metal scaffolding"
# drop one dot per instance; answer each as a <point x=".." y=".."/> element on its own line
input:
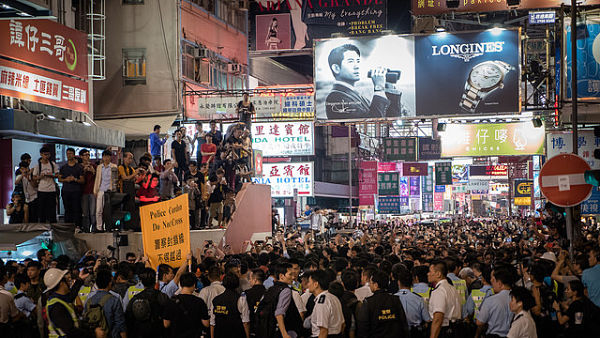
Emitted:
<point x="97" y="40"/>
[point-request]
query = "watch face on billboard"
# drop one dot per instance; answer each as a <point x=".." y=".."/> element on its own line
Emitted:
<point x="365" y="78"/>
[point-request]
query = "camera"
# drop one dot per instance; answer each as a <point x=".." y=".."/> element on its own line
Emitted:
<point x="391" y="76"/>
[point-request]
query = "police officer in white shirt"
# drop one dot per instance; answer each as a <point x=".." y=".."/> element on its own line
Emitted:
<point x="522" y="326"/>
<point x="327" y="319"/>
<point x="444" y="304"/>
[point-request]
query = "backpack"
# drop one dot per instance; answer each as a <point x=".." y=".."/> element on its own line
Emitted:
<point x="264" y="320"/>
<point x="145" y="311"/>
<point x="94" y="316"/>
<point x="141" y="309"/>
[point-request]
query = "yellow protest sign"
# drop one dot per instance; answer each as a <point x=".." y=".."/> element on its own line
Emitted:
<point x="166" y="231"/>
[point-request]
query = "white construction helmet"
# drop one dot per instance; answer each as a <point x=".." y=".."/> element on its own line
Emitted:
<point x="52" y="277"/>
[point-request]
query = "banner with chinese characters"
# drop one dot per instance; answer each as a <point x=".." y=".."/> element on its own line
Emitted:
<point x="562" y="143"/>
<point x="415" y="186"/>
<point x="591" y="206"/>
<point x="388" y="183"/>
<point x="427" y="181"/>
<point x="478" y="186"/>
<point x="440" y="188"/>
<point x="522" y="188"/>
<point x="400" y="149"/>
<point x="431" y="7"/>
<point x="389" y="205"/>
<point x="427" y="202"/>
<point x="498" y="188"/>
<point x="588" y="59"/>
<point x="34" y="84"/>
<point x="438" y="201"/>
<point x="443" y="173"/>
<point x="388" y="166"/>
<point x="166" y="231"/>
<point x="45" y="43"/>
<point x="429" y="149"/>
<point x="268" y="106"/>
<point x="293" y="24"/>
<point x="493" y="139"/>
<point x="284" y="178"/>
<point x="284" y="138"/>
<point x="414" y="169"/>
<point x="367" y="182"/>
<point x="499" y="170"/>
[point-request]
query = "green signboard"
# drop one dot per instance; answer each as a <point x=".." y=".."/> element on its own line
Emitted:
<point x="400" y="149"/>
<point x="387" y="184"/>
<point x="492" y="139"/>
<point x="443" y="173"/>
<point x="428" y="181"/>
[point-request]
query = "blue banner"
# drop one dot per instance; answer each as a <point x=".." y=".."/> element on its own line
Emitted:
<point x="470" y="73"/>
<point x="588" y="60"/>
<point x="592" y="205"/>
<point x="539" y="18"/>
<point x="427" y="202"/>
<point x="389" y="205"/>
<point x="440" y="188"/>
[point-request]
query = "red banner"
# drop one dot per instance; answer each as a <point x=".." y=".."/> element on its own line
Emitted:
<point x="45" y="43"/>
<point x="367" y="179"/>
<point x="387" y="167"/>
<point x="438" y="201"/>
<point x="33" y="84"/>
<point x="432" y="7"/>
<point x="414" y="169"/>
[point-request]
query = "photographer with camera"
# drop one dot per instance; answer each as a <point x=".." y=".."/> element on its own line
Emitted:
<point x="17" y="210"/>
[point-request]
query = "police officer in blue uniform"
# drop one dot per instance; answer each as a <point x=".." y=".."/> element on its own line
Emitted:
<point x="417" y="314"/>
<point x="495" y="312"/>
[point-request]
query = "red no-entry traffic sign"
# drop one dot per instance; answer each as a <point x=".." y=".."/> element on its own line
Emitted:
<point x="562" y="180"/>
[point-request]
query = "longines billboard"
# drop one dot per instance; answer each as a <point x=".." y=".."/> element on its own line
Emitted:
<point x="396" y="76"/>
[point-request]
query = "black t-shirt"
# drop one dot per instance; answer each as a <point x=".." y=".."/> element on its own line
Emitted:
<point x="218" y="194"/>
<point x="186" y="313"/>
<point x="75" y="171"/>
<point x="179" y="149"/>
<point x="245" y="112"/>
<point x="199" y="177"/>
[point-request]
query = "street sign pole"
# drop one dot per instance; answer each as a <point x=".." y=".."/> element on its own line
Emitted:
<point x="574" y="121"/>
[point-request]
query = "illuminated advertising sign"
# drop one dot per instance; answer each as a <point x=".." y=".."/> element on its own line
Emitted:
<point x="542" y="18"/>
<point x="389" y="204"/>
<point x="493" y="139"/>
<point x="523" y="201"/>
<point x="45" y="43"/>
<point x="488" y="170"/>
<point x="387" y="166"/>
<point x="400" y="149"/>
<point x="284" y="178"/>
<point x="588" y="59"/>
<point x="268" y="106"/>
<point x="562" y="143"/>
<point x="498" y="188"/>
<point x="34" y="84"/>
<point x="283" y="138"/>
<point x="429" y="149"/>
<point x="293" y="24"/>
<point x="430" y="7"/>
<point x="414" y="169"/>
<point x="478" y="186"/>
<point x="367" y="179"/>
<point x="443" y="173"/>
<point x="522" y="188"/>
<point x="387" y="183"/>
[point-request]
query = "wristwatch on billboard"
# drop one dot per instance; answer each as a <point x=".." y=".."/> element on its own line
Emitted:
<point x="484" y="78"/>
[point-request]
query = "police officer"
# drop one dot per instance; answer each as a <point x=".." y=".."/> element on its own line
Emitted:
<point x="495" y="312"/>
<point x="131" y="292"/>
<point x="381" y="315"/>
<point x="421" y="286"/>
<point x="62" y="318"/>
<point x="327" y="318"/>
<point x="459" y="284"/>
<point x="414" y="305"/>
<point x="230" y="316"/>
<point x="444" y="303"/>
<point x="255" y="293"/>
<point x="479" y="295"/>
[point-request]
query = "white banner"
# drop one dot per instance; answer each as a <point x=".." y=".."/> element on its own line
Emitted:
<point x="285" y="177"/>
<point x="283" y="138"/>
<point x="268" y="106"/>
<point x="29" y="83"/>
<point x="562" y="143"/>
<point x="478" y="186"/>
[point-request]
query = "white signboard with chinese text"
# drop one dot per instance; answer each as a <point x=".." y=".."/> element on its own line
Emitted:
<point x="285" y="177"/>
<point x="283" y="138"/>
<point x="562" y="143"/>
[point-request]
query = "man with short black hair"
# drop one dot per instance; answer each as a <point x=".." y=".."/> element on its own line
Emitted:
<point x="184" y="310"/>
<point x="444" y="304"/>
<point x="156" y="142"/>
<point x="215" y="288"/>
<point x="23" y="303"/>
<point x="45" y="174"/>
<point x="146" y="310"/>
<point x="36" y="284"/>
<point x="495" y="311"/>
<point x="230" y="316"/>
<point x="107" y="174"/>
<point x="110" y="303"/>
<point x="327" y="318"/>
<point x="72" y="177"/>
<point x="88" y="199"/>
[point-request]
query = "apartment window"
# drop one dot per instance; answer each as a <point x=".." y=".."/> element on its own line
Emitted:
<point x="133" y="2"/>
<point x="134" y="66"/>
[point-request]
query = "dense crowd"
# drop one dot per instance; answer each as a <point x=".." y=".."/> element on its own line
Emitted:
<point x="87" y="187"/>
<point x="461" y="278"/>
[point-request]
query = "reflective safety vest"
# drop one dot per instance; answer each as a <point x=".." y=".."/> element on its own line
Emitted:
<point x="461" y="286"/>
<point x="133" y="290"/>
<point x="13" y="291"/>
<point x="84" y="292"/>
<point x="478" y="296"/>
<point x="425" y="296"/>
<point x="57" y="332"/>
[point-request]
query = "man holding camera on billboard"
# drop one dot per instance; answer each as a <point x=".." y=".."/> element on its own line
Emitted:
<point x="344" y="102"/>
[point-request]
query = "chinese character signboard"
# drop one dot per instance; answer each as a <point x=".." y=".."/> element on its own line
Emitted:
<point x="34" y="84"/>
<point x="389" y="204"/>
<point x="388" y="183"/>
<point x="415" y="186"/>
<point x="489" y="170"/>
<point x="433" y="7"/>
<point x="588" y="60"/>
<point x="387" y="166"/>
<point x="428" y="181"/>
<point x="293" y="24"/>
<point x="367" y="182"/>
<point x="438" y="201"/>
<point x="562" y="143"/>
<point x="592" y="205"/>
<point x="283" y="138"/>
<point x="45" y="43"/>
<point x="540" y="18"/>
<point x="478" y="186"/>
<point x="522" y="188"/>
<point x="443" y="173"/>
<point x="427" y="202"/>
<point x="429" y="149"/>
<point x="284" y="178"/>
<point x="494" y="139"/>
<point x="290" y="106"/>
<point x="414" y="169"/>
<point x="400" y="149"/>
<point x="166" y="231"/>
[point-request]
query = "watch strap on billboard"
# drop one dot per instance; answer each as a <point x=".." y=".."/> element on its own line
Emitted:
<point x="472" y="96"/>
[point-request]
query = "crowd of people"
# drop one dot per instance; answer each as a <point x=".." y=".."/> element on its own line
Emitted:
<point x="507" y="277"/>
<point x="211" y="182"/>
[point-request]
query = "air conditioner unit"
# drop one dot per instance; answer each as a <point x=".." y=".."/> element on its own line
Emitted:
<point x="200" y="52"/>
<point x="234" y="68"/>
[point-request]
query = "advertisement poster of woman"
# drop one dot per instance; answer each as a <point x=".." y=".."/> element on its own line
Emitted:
<point x="300" y="29"/>
<point x="273" y="32"/>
